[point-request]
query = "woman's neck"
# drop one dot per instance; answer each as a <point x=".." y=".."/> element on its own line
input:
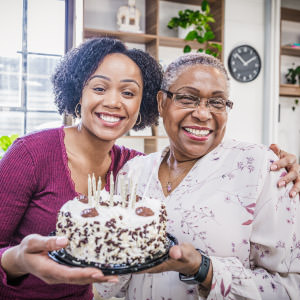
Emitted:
<point x="87" y="154"/>
<point x="88" y="145"/>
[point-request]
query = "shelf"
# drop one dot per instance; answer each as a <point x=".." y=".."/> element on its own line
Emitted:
<point x="289" y="90"/>
<point x="192" y="2"/>
<point x="142" y="38"/>
<point x="180" y="43"/>
<point x="287" y="50"/>
<point x="289" y="14"/>
<point x="130" y="37"/>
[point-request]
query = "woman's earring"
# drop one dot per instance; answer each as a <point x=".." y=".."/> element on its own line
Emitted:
<point x="139" y="120"/>
<point x="78" y="110"/>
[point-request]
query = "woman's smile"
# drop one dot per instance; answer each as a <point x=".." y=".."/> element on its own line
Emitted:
<point x="110" y="120"/>
<point x="197" y="133"/>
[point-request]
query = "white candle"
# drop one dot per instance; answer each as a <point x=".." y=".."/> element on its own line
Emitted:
<point x="126" y="189"/>
<point x="131" y="188"/>
<point x="94" y="188"/>
<point x="89" y="189"/>
<point x="111" y="189"/>
<point x="122" y="190"/>
<point x="98" y="190"/>
<point x="134" y="195"/>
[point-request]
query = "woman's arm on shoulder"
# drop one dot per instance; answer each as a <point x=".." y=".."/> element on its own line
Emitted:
<point x="288" y="161"/>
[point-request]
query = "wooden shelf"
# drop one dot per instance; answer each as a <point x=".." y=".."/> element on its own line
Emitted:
<point x="290" y="90"/>
<point x="180" y="43"/>
<point x="142" y="38"/>
<point x="130" y="37"/>
<point x="192" y="2"/>
<point x="289" y="14"/>
<point x="287" y="50"/>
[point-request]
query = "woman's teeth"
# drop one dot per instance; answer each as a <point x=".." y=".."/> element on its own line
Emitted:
<point x="198" y="132"/>
<point x="109" y="118"/>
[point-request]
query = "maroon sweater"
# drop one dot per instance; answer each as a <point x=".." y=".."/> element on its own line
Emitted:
<point x="35" y="182"/>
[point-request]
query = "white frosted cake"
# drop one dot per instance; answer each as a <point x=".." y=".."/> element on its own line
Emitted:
<point x="110" y="232"/>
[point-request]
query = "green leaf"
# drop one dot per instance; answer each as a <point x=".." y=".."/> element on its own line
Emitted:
<point x="200" y="50"/>
<point x="187" y="49"/>
<point x="216" y="46"/>
<point x="209" y="35"/>
<point x="210" y="20"/>
<point x="208" y="51"/>
<point x="191" y="35"/>
<point x="204" y="5"/>
<point x="200" y="39"/>
<point x="6" y="141"/>
<point x="13" y="137"/>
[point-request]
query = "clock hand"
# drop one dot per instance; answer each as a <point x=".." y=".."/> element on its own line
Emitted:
<point x="240" y="58"/>
<point x="248" y="61"/>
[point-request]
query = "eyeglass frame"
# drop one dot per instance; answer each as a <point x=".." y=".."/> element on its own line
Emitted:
<point x="228" y="103"/>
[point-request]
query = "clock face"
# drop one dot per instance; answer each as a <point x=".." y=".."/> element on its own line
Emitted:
<point x="244" y="63"/>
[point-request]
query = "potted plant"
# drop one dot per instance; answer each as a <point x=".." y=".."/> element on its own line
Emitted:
<point x="292" y="75"/>
<point x="6" y="141"/>
<point x="197" y="24"/>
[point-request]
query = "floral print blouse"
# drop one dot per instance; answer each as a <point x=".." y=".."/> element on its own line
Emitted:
<point x="229" y="206"/>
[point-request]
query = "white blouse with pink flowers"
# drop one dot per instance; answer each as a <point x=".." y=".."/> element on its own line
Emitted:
<point x="229" y="206"/>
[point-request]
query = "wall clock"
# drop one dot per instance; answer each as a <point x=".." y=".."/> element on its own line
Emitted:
<point x="244" y="63"/>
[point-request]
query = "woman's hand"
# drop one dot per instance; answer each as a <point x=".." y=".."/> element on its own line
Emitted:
<point x="183" y="258"/>
<point x="31" y="256"/>
<point x="288" y="161"/>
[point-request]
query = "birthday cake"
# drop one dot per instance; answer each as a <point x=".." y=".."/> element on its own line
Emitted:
<point x="113" y="229"/>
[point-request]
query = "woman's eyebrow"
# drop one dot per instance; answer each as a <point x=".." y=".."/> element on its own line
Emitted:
<point x="100" y="76"/>
<point x="131" y="80"/>
<point x="108" y="79"/>
<point x="218" y="92"/>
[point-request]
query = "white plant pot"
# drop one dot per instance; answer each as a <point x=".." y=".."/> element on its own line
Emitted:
<point x="182" y="32"/>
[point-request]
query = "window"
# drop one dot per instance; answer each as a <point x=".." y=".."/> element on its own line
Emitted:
<point x="33" y="36"/>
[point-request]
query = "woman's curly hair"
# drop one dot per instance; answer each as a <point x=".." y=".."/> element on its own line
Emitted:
<point x="80" y="63"/>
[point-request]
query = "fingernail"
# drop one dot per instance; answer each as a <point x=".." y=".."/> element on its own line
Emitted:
<point x="293" y="194"/>
<point x="97" y="276"/>
<point x="273" y="167"/>
<point x="61" y="241"/>
<point x="281" y="183"/>
<point x="115" y="280"/>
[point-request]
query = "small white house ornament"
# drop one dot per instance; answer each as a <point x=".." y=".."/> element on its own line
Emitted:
<point x="128" y="17"/>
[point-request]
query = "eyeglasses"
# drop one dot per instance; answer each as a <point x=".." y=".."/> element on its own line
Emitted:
<point x="214" y="104"/>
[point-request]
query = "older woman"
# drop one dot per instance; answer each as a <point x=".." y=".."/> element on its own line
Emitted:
<point x="239" y="235"/>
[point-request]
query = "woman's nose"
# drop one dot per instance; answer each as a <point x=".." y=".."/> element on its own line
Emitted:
<point x="202" y="112"/>
<point x="113" y="99"/>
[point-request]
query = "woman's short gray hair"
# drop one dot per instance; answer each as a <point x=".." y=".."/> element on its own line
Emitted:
<point x="175" y="68"/>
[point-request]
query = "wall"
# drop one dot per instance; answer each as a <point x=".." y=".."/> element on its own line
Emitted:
<point x="244" y="24"/>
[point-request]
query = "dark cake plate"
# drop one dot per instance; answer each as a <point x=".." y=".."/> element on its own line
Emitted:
<point x="62" y="257"/>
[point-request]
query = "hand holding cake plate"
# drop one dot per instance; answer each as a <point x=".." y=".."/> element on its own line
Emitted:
<point x="62" y="257"/>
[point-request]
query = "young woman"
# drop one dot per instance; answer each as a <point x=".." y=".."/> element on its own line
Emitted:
<point x="113" y="90"/>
